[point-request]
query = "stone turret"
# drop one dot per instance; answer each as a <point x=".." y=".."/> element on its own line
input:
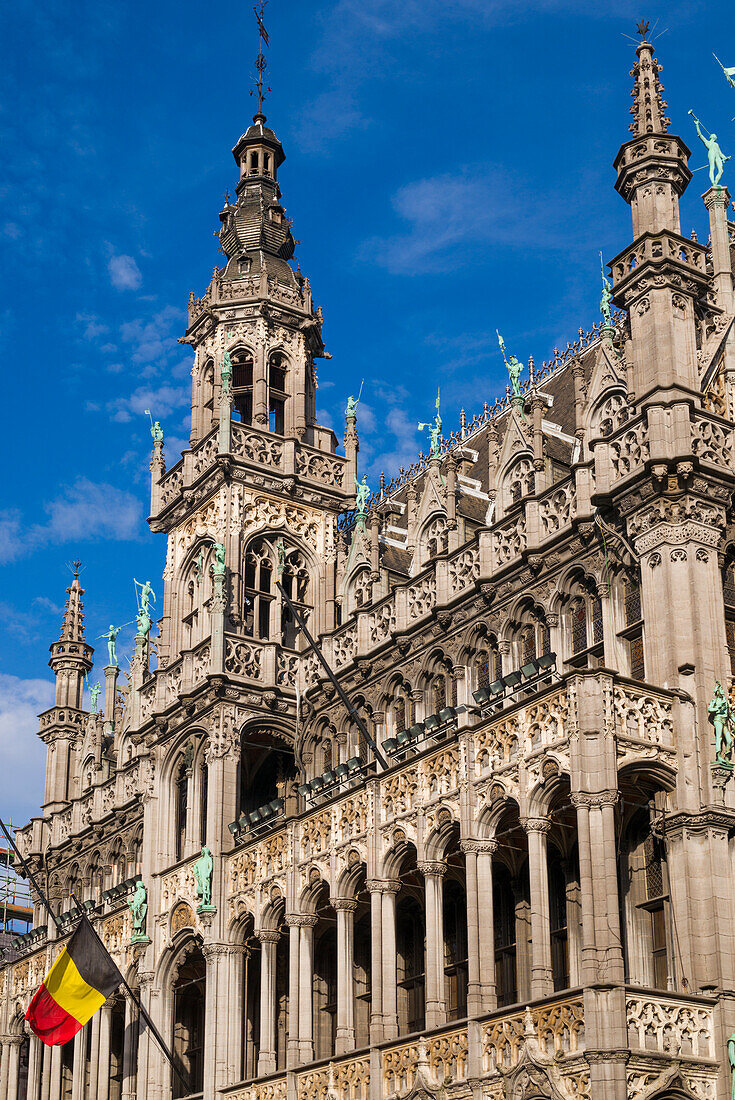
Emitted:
<point x="63" y="724"/>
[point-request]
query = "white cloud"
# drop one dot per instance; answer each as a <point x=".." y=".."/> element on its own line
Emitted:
<point x="124" y="272"/>
<point x="22" y="753"/>
<point x="93" y="327"/>
<point x="153" y="341"/>
<point x="161" y="401"/>
<point x="84" y="511"/>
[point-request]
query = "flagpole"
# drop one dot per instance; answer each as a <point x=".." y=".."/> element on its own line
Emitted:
<point x="136" y="1001"/>
<point x="156" y="1034"/>
<point x="31" y="877"/>
<point x="362" y="729"/>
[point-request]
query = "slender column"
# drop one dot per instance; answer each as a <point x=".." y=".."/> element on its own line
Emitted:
<point x="293" y="920"/>
<point x="236" y="1006"/>
<point x="46" y="1074"/>
<point x="103" y="1059"/>
<point x="345" y="1039"/>
<point x="376" y="961"/>
<point x="486" y="918"/>
<point x="267" y="1054"/>
<point x="55" y="1072"/>
<point x="436" y="1007"/>
<point x="12" y="1050"/>
<point x="129" y="1051"/>
<point x="306" y="986"/>
<point x="589" y="960"/>
<point x="542" y="982"/>
<point x="387" y="964"/>
<point x="260" y="389"/>
<point x="4" y="1064"/>
<point x="34" y="1062"/>
<point x="474" y="984"/>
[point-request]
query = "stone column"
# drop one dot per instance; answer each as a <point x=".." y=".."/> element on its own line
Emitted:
<point x="56" y="1073"/>
<point x="345" y="1039"/>
<point x="216" y="956"/>
<point x="267" y="1052"/>
<point x="306" y="986"/>
<point x="474" y="983"/>
<point x="717" y="201"/>
<point x="129" y="1050"/>
<point x="542" y="983"/>
<point x="376" y="961"/>
<point x="260" y="388"/>
<point x="235" y="1000"/>
<point x="11" y="1051"/>
<point x="4" y="1064"/>
<point x="602" y="954"/>
<point x="436" y="1008"/>
<point x="102" y="1068"/>
<point x="46" y="1075"/>
<point x="486" y="926"/>
<point x="34" y="1064"/>
<point x="293" y="921"/>
<point x="387" y="962"/>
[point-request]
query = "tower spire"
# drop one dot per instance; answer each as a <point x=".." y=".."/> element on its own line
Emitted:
<point x="260" y="62"/>
<point x="72" y="626"/>
<point x="649" y="106"/>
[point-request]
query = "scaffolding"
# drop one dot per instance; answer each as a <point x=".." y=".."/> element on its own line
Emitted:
<point x="16" y="906"/>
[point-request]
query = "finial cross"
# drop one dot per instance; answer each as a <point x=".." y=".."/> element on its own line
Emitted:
<point x="260" y="62"/>
<point x="643" y="28"/>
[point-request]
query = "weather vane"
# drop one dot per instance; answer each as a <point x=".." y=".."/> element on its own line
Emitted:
<point x="643" y="28"/>
<point x="260" y="63"/>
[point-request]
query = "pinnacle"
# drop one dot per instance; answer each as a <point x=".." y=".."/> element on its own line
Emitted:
<point x="649" y="106"/>
<point x="72" y="627"/>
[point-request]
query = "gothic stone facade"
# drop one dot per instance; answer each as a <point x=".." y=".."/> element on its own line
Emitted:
<point x="533" y="897"/>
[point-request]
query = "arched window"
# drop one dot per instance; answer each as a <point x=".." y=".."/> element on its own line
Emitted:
<point x="207" y="396"/>
<point x="728" y="593"/>
<point x="435" y="539"/>
<point x="258" y="590"/>
<point x="295" y="581"/>
<point x="520" y="482"/>
<point x="189" y="1004"/>
<point x="266" y="765"/>
<point x="242" y="385"/>
<point x="645" y="893"/>
<point x="632" y="634"/>
<point x="362" y="588"/>
<point x="277" y="392"/>
<point x="401" y="708"/>
<point x="182" y="807"/>
<point x="533" y="636"/>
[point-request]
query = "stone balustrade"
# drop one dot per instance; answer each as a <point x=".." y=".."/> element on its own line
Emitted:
<point x="671" y="1025"/>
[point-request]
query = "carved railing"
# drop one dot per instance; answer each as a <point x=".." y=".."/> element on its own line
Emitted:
<point x="642" y="714"/>
<point x="348" y="1080"/>
<point x="248" y="289"/>
<point x="670" y="1025"/>
<point x="256" y="446"/>
<point x="658" y="248"/>
<point x="318" y="466"/>
<point x="172" y="483"/>
<point x="243" y="658"/>
<point x="273" y="1088"/>
<point x="558" y="1028"/>
<point x="445" y="1053"/>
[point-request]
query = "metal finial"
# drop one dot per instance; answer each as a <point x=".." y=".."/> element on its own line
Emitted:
<point x="75" y="566"/>
<point x="260" y="62"/>
<point x="643" y="28"/>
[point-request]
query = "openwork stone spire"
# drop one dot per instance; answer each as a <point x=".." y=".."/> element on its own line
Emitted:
<point x="72" y="627"/>
<point x="648" y="102"/>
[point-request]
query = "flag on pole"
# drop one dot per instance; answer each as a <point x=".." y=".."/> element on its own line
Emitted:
<point x="77" y="985"/>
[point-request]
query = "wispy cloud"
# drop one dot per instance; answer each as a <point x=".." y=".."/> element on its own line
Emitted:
<point x="22" y="753"/>
<point x="84" y="511"/>
<point x="92" y="325"/>
<point x="161" y="400"/>
<point x="153" y="340"/>
<point x="124" y="272"/>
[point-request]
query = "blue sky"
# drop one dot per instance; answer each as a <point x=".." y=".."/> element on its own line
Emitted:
<point x="448" y="171"/>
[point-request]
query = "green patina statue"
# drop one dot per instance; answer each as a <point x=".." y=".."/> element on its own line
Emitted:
<point x="515" y="368"/>
<point x="218" y="566"/>
<point x="111" y="636"/>
<point x="203" y="875"/>
<point x="94" y="694"/>
<point x="362" y="495"/>
<point x="353" y="402"/>
<point x="226" y="374"/>
<point x="731" y="1060"/>
<point x="281" y="552"/>
<point x="138" y="906"/>
<point x="143" y="618"/>
<point x="606" y="298"/>
<point x="723" y="721"/>
<point x="729" y="73"/>
<point x="435" y="430"/>
<point x="156" y="429"/>
<point x="715" y="157"/>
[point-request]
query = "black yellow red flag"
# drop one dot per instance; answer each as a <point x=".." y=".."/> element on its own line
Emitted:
<point x="77" y="985"/>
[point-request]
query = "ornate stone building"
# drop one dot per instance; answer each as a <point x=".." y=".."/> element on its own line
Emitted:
<point x="531" y="894"/>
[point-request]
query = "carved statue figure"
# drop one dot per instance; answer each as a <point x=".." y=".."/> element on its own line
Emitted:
<point x="606" y="298"/>
<point x="715" y="157"/>
<point x="281" y="551"/>
<point x="435" y="430"/>
<point x="731" y="1060"/>
<point x="94" y="694"/>
<point x="203" y="874"/>
<point x="353" y="402"/>
<point x="226" y="374"/>
<point x="723" y="721"/>
<point x="362" y="494"/>
<point x="218" y="566"/>
<point x="111" y="636"/>
<point x="200" y="567"/>
<point x="156" y="429"/>
<point x="138" y="906"/>
<point x="143" y="617"/>
<point x="514" y="367"/>
<point x="729" y="73"/>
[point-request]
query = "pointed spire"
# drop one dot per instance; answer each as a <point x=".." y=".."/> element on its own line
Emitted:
<point x="649" y="106"/>
<point x="72" y="627"/>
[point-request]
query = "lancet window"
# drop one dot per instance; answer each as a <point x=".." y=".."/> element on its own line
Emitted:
<point x="504" y="924"/>
<point x="645" y="894"/>
<point x="434" y="539"/>
<point x="242" y="385"/>
<point x="266" y="765"/>
<point x="266" y="616"/>
<point x="632" y="634"/>
<point x="728" y="592"/>
<point x="325" y="978"/>
<point x="584" y="625"/>
<point x="520" y="482"/>
<point x="207" y="396"/>
<point x="277" y="394"/>
<point x="182" y="806"/>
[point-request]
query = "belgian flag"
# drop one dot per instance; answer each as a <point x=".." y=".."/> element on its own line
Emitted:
<point x="79" y="982"/>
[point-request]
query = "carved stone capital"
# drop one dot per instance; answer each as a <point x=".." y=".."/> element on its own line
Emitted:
<point x="268" y="935"/>
<point x="344" y="905"/>
<point x="536" y="825"/>
<point x="479" y="847"/>
<point x="432" y="868"/>
<point x="596" y="799"/>
<point x="383" y="886"/>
